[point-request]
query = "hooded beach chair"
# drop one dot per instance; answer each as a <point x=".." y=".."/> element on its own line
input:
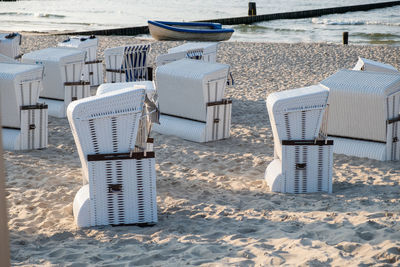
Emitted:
<point x="119" y="180"/>
<point x="93" y="71"/>
<point x="23" y="119"/>
<point x="62" y="82"/>
<point x="303" y="156"/>
<point x="364" y="64"/>
<point x="10" y="44"/>
<point x="191" y="99"/>
<point x="127" y="63"/>
<point x="206" y="51"/>
<point x="364" y="113"/>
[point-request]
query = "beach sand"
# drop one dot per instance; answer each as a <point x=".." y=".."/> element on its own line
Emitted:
<point x="214" y="207"/>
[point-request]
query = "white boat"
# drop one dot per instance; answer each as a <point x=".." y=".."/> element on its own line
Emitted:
<point x="191" y="31"/>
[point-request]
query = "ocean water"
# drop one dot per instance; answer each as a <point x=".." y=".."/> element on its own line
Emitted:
<point x="380" y="26"/>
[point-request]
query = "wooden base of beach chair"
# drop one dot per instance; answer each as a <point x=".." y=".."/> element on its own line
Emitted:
<point x="33" y="133"/>
<point x="216" y="127"/>
<point x="305" y="167"/>
<point x="121" y="190"/>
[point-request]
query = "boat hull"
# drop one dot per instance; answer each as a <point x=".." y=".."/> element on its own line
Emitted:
<point x="163" y="34"/>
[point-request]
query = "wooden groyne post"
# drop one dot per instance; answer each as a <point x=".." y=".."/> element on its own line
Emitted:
<point x="252" y="9"/>
<point x="252" y="19"/>
<point x="345" y="38"/>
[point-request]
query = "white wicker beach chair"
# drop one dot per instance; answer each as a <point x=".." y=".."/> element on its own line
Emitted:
<point x="62" y="82"/>
<point x="24" y="121"/>
<point x="303" y="157"/>
<point x="191" y="99"/>
<point x="206" y="51"/>
<point x="121" y="180"/>
<point x="93" y="70"/>
<point x="127" y="63"/>
<point x="364" y="64"/>
<point x="364" y="113"/>
<point x="10" y="44"/>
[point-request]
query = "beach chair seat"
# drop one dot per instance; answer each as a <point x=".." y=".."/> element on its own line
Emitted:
<point x="62" y="82"/>
<point x="206" y="51"/>
<point x="191" y="99"/>
<point x="23" y="119"/>
<point x="303" y="157"/>
<point x="93" y="70"/>
<point x="10" y="44"/>
<point x="127" y="63"/>
<point x="364" y="64"/>
<point x="120" y="181"/>
<point x="364" y="107"/>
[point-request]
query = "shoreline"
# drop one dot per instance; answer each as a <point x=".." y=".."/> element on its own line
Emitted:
<point x="214" y="206"/>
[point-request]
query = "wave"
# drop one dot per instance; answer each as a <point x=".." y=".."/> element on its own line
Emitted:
<point x="375" y="36"/>
<point x="41" y="23"/>
<point x="38" y="15"/>
<point x="260" y="28"/>
<point x="351" y="22"/>
<point x="46" y="15"/>
<point x="15" y="14"/>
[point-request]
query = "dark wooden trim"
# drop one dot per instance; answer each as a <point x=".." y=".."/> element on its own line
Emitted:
<point x="224" y="101"/>
<point x="307" y="142"/>
<point x="11" y="128"/>
<point x="76" y="83"/>
<point x="120" y="156"/>
<point x="150" y="140"/>
<point x="94" y="61"/>
<point x="37" y="106"/>
<point x="180" y="117"/>
<point x="359" y="139"/>
<point x="50" y="98"/>
<point x="116" y="71"/>
<point x="150" y="73"/>
<point x="393" y="120"/>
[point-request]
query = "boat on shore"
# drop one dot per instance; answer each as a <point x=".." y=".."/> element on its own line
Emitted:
<point x="191" y="31"/>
